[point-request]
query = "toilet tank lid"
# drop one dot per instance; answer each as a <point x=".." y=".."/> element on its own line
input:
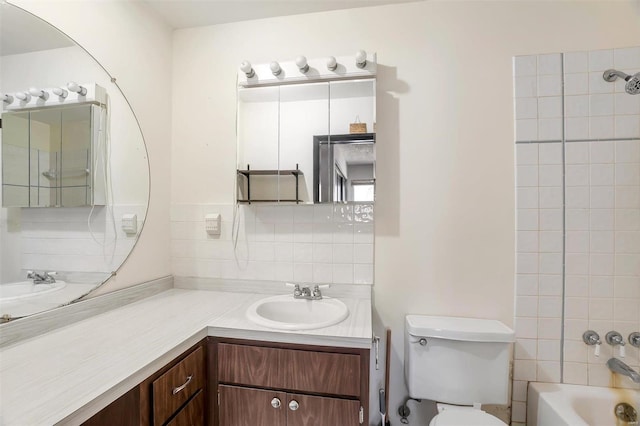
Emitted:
<point x="465" y="329"/>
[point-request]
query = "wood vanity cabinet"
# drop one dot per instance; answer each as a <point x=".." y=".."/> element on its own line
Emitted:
<point x="173" y="396"/>
<point x="270" y="384"/>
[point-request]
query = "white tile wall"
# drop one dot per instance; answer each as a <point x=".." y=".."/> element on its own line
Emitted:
<point x="304" y="243"/>
<point x="58" y="239"/>
<point x="601" y="223"/>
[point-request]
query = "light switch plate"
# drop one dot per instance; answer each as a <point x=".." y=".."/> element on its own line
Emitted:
<point x="212" y="224"/>
<point x="130" y="223"/>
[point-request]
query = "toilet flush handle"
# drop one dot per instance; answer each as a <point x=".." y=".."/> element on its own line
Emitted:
<point x="423" y="341"/>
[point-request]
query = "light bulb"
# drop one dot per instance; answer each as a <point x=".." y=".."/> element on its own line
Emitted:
<point x="332" y="64"/>
<point x="302" y="64"/>
<point x="246" y="68"/>
<point x="75" y="87"/>
<point x="23" y="96"/>
<point x="6" y="98"/>
<point x="60" y="92"/>
<point x="35" y="92"/>
<point x="275" y="68"/>
<point x="361" y="58"/>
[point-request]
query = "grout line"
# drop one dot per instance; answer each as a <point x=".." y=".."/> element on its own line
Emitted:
<point x="563" y="140"/>
<point x="564" y="224"/>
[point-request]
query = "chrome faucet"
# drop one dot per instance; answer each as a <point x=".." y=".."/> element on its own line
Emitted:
<point x="620" y="367"/>
<point x="306" y="293"/>
<point x="44" y="278"/>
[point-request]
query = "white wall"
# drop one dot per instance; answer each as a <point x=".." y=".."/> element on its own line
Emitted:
<point x="445" y="225"/>
<point x="134" y="46"/>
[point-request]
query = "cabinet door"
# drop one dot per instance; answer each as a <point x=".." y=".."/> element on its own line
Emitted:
<point x="251" y="407"/>
<point x="321" y="411"/>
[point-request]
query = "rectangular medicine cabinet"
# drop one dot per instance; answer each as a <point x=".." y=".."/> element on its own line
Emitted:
<point x="53" y="157"/>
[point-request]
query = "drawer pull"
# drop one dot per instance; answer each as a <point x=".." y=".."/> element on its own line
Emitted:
<point x="275" y="403"/>
<point x="181" y="387"/>
<point x="293" y="405"/>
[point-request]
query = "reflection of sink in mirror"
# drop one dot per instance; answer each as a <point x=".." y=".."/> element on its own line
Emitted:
<point x="287" y="313"/>
<point x="25" y="289"/>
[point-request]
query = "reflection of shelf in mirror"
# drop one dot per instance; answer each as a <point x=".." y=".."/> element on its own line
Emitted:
<point x="269" y="172"/>
<point x="54" y="174"/>
<point x="248" y="173"/>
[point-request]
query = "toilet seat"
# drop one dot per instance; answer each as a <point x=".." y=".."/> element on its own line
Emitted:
<point x="465" y="417"/>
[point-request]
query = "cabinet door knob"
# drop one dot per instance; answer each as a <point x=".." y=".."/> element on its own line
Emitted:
<point x="293" y="405"/>
<point x="275" y="403"/>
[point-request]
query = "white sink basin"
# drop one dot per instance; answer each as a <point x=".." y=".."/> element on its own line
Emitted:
<point x="287" y="313"/>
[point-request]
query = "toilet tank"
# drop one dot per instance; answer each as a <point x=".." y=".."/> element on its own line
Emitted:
<point x="457" y="360"/>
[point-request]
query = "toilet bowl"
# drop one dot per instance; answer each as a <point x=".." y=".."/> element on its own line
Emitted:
<point x="451" y="415"/>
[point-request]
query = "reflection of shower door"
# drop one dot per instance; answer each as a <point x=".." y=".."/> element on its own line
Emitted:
<point x="339" y="185"/>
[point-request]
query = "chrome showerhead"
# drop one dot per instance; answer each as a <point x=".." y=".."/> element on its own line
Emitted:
<point x="633" y="81"/>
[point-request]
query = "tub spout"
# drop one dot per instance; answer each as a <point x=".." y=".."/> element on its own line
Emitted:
<point x="620" y="367"/>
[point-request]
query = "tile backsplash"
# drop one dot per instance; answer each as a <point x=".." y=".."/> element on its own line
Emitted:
<point x="300" y="243"/>
<point x="59" y="239"/>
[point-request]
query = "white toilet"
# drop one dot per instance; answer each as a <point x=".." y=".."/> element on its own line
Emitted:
<point x="461" y="361"/>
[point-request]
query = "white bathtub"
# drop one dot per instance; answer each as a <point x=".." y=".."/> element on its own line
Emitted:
<point x="550" y="404"/>
<point x="24" y="289"/>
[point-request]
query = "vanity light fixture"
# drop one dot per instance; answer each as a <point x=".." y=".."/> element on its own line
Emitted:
<point x="246" y="68"/>
<point x="301" y="63"/>
<point x="75" y="87"/>
<point x="332" y="64"/>
<point x="59" y="91"/>
<point x="275" y="68"/>
<point x="7" y="99"/>
<point x="23" y="96"/>
<point x="37" y="93"/>
<point x="361" y="59"/>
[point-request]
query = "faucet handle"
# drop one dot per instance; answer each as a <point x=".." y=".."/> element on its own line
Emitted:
<point x="51" y="274"/>
<point x="615" y="339"/>
<point x="31" y="274"/>
<point x="316" y="290"/>
<point x="296" y="289"/>
<point x="592" y="338"/>
<point x="634" y="339"/>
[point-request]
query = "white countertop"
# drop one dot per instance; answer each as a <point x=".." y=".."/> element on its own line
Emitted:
<point x="67" y="375"/>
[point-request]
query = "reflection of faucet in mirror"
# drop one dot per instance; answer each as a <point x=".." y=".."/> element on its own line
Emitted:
<point x="44" y="278"/>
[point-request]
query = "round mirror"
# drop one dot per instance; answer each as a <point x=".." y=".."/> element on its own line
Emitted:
<point x="75" y="172"/>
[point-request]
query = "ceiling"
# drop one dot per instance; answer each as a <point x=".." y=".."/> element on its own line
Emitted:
<point x="15" y="23"/>
<point x="196" y="13"/>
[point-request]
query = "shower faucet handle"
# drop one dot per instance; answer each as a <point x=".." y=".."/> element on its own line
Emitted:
<point x="592" y="338"/>
<point x="634" y="339"/>
<point x="615" y="339"/>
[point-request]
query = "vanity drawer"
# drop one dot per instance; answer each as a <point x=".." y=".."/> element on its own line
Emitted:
<point x="298" y="370"/>
<point x="177" y="385"/>
<point x="251" y="365"/>
<point x="322" y="372"/>
<point x="192" y="414"/>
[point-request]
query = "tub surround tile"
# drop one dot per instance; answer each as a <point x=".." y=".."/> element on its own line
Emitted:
<point x="578" y="217"/>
